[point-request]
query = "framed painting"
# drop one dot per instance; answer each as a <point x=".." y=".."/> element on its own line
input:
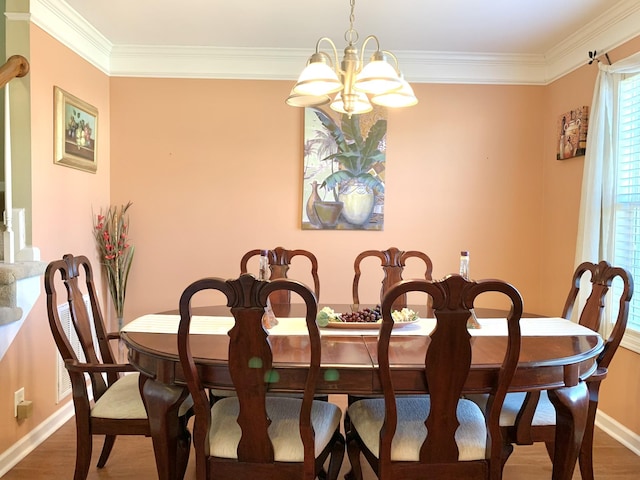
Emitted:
<point x="75" y="132"/>
<point x="344" y="170"/>
<point x="572" y="133"/>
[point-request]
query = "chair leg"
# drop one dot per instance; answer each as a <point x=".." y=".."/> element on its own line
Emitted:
<point x="183" y="447"/>
<point x="336" y="456"/>
<point x="551" y="448"/>
<point x="109" y="440"/>
<point x="507" y="450"/>
<point x="353" y="450"/>
<point x="585" y="457"/>
<point x="83" y="451"/>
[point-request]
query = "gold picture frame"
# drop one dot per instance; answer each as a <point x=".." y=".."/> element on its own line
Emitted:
<point x="75" y="132"/>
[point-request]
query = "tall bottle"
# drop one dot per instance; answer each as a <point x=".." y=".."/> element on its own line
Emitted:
<point x="464" y="264"/>
<point x="268" y="319"/>
<point x="464" y="273"/>
<point x="263" y="266"/>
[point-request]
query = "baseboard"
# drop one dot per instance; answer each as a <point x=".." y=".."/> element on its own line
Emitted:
<point x="35" y="437"/>
<point x="616" y="430"/>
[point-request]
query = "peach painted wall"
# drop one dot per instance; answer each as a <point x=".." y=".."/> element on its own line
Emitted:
<point x="562" y="181"/>
<point x="213" y="168"/>
<point x="62" y="222"/>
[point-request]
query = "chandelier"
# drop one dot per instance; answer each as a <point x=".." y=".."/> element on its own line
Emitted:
<point x="356" y="85"/>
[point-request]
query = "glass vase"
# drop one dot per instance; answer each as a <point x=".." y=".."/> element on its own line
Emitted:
<point x="122" y="348"/>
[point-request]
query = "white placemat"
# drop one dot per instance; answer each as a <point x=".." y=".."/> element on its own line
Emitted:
<point x="531" y="327"/>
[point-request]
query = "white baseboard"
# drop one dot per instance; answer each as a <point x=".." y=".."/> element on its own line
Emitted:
<point x="616" y="430"/>
<point x="35" y="437"/>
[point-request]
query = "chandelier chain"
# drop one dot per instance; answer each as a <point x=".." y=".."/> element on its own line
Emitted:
<point x="351" y="36"/>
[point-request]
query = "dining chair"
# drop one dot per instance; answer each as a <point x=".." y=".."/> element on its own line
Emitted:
<point x="530" y="418"/>
<point x="117" y="407"/>
<point x="393" y="262"/>
<point x="438" y="434"/>
<point x="279" y="263"/>
<point x="252" y="434"/>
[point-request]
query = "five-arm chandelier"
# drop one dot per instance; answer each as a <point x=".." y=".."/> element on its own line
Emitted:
<point x="353" y="81"/>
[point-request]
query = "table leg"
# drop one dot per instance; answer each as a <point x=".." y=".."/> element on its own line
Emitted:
<point x="572" y="404"/>
<point x="171" y="439"/>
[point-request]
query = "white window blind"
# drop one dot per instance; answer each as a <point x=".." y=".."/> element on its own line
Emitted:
<point x="627" y="203"/>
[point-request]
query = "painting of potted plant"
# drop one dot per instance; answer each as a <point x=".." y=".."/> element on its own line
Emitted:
<point x="350" y="169"/>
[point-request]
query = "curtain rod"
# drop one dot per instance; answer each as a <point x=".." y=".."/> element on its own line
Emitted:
<point x="595" y="57"/>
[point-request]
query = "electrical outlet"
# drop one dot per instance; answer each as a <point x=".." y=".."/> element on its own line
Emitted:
<point x="18" y="397"/>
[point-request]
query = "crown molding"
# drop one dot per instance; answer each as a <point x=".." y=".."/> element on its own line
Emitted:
<point x="286" y="64"/>
<point x="616" y="26"/>
<point x="65" y="25"/>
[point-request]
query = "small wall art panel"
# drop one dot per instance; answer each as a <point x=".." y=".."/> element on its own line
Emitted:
<point x="572" y="133"/>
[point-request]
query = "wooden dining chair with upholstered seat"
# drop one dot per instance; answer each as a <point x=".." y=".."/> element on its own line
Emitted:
<point x="437" y="435"/>
<point x="279" y="263"/>
<point x="531" y="417"/>
<point x="253" y="434"/>
<point x="118" y="408"/>
<point x="393" y="262"/>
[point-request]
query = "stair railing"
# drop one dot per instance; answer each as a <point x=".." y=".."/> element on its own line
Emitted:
<point x="15" y="66"/>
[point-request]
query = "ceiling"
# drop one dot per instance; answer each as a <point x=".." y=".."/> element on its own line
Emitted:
<point x="505" y="26"/>
<point x="419" y="32"/>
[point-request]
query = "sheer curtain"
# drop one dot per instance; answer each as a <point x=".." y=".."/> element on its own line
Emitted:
<point x="596" y="221"/>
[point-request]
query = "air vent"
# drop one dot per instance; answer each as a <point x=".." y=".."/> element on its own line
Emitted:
<point x="63" y="380"/>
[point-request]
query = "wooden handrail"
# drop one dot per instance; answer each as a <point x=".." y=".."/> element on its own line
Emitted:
<point x="16" y="66"/>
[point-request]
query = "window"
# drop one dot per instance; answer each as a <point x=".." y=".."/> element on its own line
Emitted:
<point x="627" y="191"/>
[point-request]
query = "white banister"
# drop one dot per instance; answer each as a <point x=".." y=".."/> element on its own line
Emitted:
<point x="9" y="246"/>
<point x="16" y="66"/>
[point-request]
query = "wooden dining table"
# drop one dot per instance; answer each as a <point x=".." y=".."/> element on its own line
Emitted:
<point x="556" y="355"/>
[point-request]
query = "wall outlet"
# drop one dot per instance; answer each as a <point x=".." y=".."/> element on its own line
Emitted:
<point x="18" y="397"/>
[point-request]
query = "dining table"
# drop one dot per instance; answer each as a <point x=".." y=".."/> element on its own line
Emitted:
<point x="556" y="355"/>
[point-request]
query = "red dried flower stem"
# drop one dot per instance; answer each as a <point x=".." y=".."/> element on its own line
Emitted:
<point x="115" y="259"/>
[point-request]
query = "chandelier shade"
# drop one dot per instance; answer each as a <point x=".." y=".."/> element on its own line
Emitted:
<point x="378" y="76"/>
<point x="351" y="79"/>
<point x="302" y="100"/>
<point x="358" y="101"/>
<point x="403" y="97"/>
<point x="317" y="78"/>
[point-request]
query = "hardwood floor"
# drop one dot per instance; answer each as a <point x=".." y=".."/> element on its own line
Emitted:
<point x="132" y="459"/>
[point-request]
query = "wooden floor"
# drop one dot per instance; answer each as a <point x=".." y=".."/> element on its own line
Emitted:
<point x="132" y="459"/>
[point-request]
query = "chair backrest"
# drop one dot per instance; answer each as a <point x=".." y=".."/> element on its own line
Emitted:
<point x="250" y="366"/>
<point x="76" y="274"/>
<point x="447" y="365"/>
<point x="279" y="264"/>
<point x="602" y="276"/>
<point x="393" y="262"/>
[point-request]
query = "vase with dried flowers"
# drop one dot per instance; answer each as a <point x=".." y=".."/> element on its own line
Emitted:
<point x="111" y="230"/>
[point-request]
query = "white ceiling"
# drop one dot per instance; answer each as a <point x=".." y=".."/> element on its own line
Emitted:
<point x="496" y="26"/>
<point x="528" y="35"/>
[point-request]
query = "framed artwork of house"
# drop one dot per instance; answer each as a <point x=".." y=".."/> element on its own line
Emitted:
<point x="572" y="133"/>
<point x="343" y="173"/>
<point x="75" y="132"/>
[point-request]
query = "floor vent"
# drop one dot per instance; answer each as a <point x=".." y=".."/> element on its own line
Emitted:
<point x="63" y="380"/>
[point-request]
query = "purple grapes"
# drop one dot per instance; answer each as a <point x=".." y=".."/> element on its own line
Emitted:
<point x="366" y="315"/>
